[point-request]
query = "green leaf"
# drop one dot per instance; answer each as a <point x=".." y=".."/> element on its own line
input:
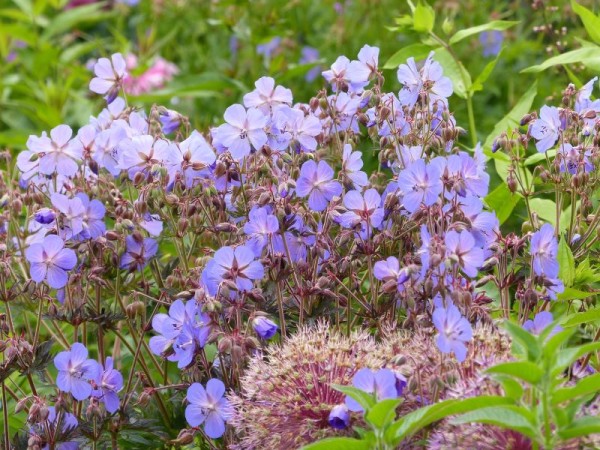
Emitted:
<point x="591" y="22"/>
<point x="574" y="294"/>
<point x="511" y="417"/>
<point x="554" y="342"/>
<point x="493" y="25"/>
<point x="416" y="420"/>
<point x="338" y="443"/>
<point x="502" y="202"/>
<point x="512" y="388"/>
<point x="583" y="426"/>
<point x="423" y="17"/>
<point x="523" y="370"/>
<point x="568" y="356"/>
<point x="526" y="340"/>
<point x="485" y="73"/>
<point x="461" y="80"/>
<point x="71" y="18"/>
<point x="365" y="400"/>
<point x="512" y="119"/>
<point x="589" y="56"/>
<point x="417" y="51"/>
<point x="577" y="319"/>
<point x="586" y="386"/>
<point x="544" y="208"/>
<point x="383" y="413"/>
<point x="566" y="263"/>
<point x="539" y="157"/>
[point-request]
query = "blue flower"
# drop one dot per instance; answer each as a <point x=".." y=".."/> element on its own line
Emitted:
<point x="109" y="381"/>
<point x="208" y="406"/>
<point x="381" y="383"/>
<point x="265" y="328"/>
<point x="421" y="184"/>
<point x="546" y="129"/>
<point x="138" y="253"/>
<point x="454" y="330"/>
<point x="235" y="265"/>
<point x="316" y="182"/>
<point x="50" y="261"/>
<point x="544" y="249"/>
<point x="75" y="371"/>
<point x="259" y="228"/>
<point x="339" y="417"/>
<point x="462" y="247"/>
<point x="540" y="322"/>
<point x="491" y="42"/>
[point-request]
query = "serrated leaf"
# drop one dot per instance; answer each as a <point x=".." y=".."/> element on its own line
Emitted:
<point x="495" y="25"/>
<point x="338" y="443"/>
<point x="574" y="294"/>
<point x="589" y="56"/>
<point x="566" y="263"/>
<point x="417" y="51"/>
<point x="523" y="370"/>
<point x="591" y="21"/>
<point x="423" y="17"/>
<point x="511" y="417"/>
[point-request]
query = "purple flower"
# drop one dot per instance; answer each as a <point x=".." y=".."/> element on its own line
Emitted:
<point x="49" y="429"/>
<point x="269" y="48"/>
<point x="170" y="120"/>
<point x="108" y="382"/>
<point x="265" y="328"/>
<point x="316" y="182"/>
<point x="75" y="371"/>
<point x="109" y="76"/>
<point x="387" y="270"/>
<point x="420" y="183"/>
<point x="310" y="55"/>
<point x="92" y="218"/>
<point x="259" y="228"/>
<point x="339" y="417"/>
<point x="45" y="216"/>
<point x="466" y="176"/>
<point x="181" y="333"/>
<point x="141" y="153"/>
<point x="544" y="249"/>
<point x="138" y="253"/>
<point x="73" y="212"/>
<point x="236" y="265"/>
<point x="208" y="406"/>
<point x="189" y="160"/>
<point x="381" y="383"/>
<point x="546" y="129"/>
<point x="336" y="75"/>
<point x="574" y="159"/>
<point x="57" y="153"/>
<point x="362" y="209"/>
<point x="462" y="248"/>
<point x="540" y="322"/>
<point x="491" y="42"/>
<point x="267" y="96"/>
<point x="50" y="261"/>
<point x="359" y="72"/>
<point x="430" y="79"/>
<point x="351" y="165"/>
<point x="454" y="330"/>
<point x="243" y="130"/>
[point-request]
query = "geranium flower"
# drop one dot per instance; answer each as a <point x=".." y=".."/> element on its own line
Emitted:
<point x="75" y="371"/>
<point x="243" y="130"/>
<point x="546" y="129"/>
<point x="454" y="330"/>
<point x="109" y="76"/>
<point x="50" y="261"/>
<point x="316" y="182"/>
<point x="208" y="407"/>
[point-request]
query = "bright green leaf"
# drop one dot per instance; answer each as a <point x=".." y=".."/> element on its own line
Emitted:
<point x="566" y="263"/>
<point x="523" y="370"/>
<point x="416" y="51"/>
<point x="364" y="399"/>
<point x="591" y="21"/>
<point x="583" y="426"/>
<point x="383" y="412"/>
<point x="574" y="294"/>
<point x="502" y="202"/>
<point x="339" y="443"/>
<point x="423" y="17"/>
<point x="544" y="208"/>
<point x="576" y="319"/>
<point x="493" y="25"/>
<point x="485" y="73"/>
<point x="511" y="417"/>
<point x="585" y="386"/>
<point x="539" y="157"/>
<point x="589" y="56"/>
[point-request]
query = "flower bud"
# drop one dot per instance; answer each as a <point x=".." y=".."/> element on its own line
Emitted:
<point x="264" y="328"/>
<point x="339" y="417"/>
